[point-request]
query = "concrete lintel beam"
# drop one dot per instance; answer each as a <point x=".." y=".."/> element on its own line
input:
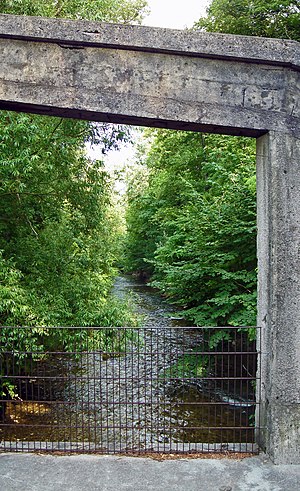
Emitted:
<point x="150" y="39"/>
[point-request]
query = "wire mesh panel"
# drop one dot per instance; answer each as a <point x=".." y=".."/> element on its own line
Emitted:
<point x="116" y="390"/>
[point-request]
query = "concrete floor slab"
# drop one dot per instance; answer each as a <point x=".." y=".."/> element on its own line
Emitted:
<point x="32" y="472"/>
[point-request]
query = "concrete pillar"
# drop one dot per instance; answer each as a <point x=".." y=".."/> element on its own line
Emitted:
<point x="278" y="186"/>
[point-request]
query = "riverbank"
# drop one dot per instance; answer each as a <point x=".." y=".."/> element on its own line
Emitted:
<point x="32" y="472"/>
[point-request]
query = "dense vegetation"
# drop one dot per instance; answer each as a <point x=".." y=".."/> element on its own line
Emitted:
<point x="120" y="11"/>
<point x="191" y="226"/>
<point x="59" y="231"/>
<point x="271" y="18"/>
<point x="191" y="214"/>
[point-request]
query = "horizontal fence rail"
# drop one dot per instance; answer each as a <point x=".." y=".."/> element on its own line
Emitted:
<point x="125" y="390"/>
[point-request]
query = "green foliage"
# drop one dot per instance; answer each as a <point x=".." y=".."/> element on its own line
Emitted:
<point x="14" y="302"/>
<point x="57" y="224"/>
<point x="141" y="239"/>
<point x="119" y="11"/>
<point x="274" y="18"/>
<point x="8" y="389"/>
<point x="201" y="225"/>
<point x="188" y="366"/>
<point x="58" y="237"/>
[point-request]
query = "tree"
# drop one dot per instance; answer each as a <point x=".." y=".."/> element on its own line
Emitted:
<point x="274" y="18"/>
<point x="56" y="220"/>
<point x="119" y="11"/>
<point x="194" y="225"/>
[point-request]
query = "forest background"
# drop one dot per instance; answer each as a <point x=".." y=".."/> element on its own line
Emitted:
<point x="191" y="212"/>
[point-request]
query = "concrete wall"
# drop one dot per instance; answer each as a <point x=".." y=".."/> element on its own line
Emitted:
<point x="202" y="82"/>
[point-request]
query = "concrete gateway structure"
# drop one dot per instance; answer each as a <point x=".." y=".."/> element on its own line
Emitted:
<point x="190" y="81"/>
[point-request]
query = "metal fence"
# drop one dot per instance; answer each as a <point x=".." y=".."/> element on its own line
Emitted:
<point x="124" y="390"/>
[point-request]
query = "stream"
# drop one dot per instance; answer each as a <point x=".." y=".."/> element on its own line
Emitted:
<point x="132" y="402"/>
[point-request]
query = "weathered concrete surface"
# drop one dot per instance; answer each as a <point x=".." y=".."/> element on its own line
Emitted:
<point x="157" y="77"/>
<point x="91" y="473"/>
<point x="203" y="82"/>
<point x="151" y="39"/>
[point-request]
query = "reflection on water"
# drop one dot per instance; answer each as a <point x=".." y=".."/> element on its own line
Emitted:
<point x="205" y="419"/>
